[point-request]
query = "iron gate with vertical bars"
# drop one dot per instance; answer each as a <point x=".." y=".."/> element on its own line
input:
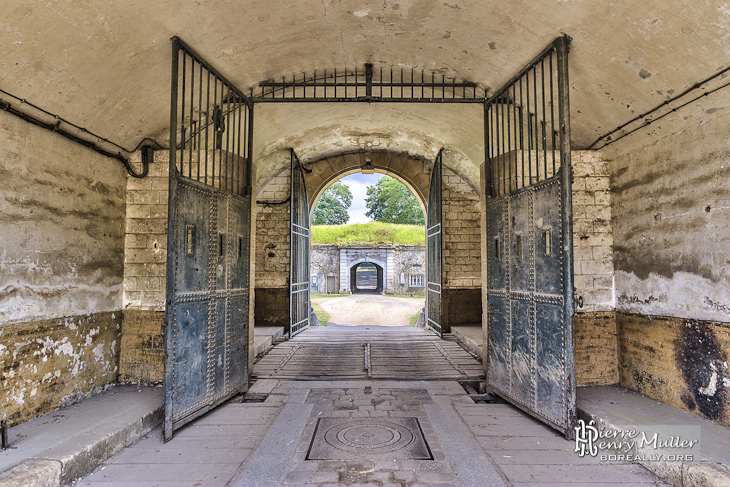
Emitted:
<point x="529" y="240"/>
<point x="299" y="256"/>
<point x="209" y="232"/>
<point x="433" y="250"/>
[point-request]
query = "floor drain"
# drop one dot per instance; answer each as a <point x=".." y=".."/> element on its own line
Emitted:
<point x="352" y="439"/>
<point x="253" y="397"/>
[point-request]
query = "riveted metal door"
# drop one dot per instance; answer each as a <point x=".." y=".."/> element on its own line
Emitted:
<point x="208" y="254"/>
<point x="299" y="307"/>
<point x="433" y="250"/>
<point x="529" y="242"/>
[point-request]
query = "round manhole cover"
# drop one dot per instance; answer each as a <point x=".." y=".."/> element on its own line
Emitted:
<point x="371" y="437"/>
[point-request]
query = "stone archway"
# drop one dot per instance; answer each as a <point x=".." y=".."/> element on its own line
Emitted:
<point x="381" y="257"/>
<point x="356" y="279"/>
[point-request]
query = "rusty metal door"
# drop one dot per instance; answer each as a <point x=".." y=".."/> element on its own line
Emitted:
<point x="433" y="250"/>
<point x="529" y="241"/>
<point x="299" y="307"/>
<point x="208" y="253"/>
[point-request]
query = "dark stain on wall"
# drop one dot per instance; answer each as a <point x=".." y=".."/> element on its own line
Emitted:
<point x="703" y="364"/>
<point x="644" y="261"/>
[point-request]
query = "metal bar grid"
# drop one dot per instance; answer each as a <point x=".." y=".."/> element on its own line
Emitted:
<point x="212" y="144"/>
<point x="433" y="250"/>
<point x="524" y="138"/>
<point x="370" y="85"/>
<point x="299" y="287"/>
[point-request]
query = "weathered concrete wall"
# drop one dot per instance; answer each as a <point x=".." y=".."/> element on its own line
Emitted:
<point x="61" y="226"/>
<point x="61" y="240"/>
<point x="671" y="209"/>
<point x="670" y="204"/>
<point x="678" y="361"/>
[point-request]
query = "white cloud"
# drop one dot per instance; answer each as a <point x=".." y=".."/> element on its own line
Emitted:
<point x="358" y="184"/>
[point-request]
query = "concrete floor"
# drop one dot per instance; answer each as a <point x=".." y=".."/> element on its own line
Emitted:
<point x="268" y="443"/>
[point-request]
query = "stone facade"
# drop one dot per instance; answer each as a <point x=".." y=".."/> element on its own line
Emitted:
<point x="403" y="266"/>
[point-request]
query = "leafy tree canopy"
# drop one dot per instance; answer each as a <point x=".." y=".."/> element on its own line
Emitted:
<point x="331" y="209"/>
<point x="391" y="201"/>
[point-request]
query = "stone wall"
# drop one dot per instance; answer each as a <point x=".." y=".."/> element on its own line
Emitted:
<point x="61" y="241"/>
<point x="273" y="216"/>
<point x="461" y="248"/>
<point x="145" y="274"/>
<point x="670" y="206"/>
<point x="408" y="260"/>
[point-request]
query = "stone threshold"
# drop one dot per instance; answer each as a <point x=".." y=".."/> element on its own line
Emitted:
<point x="62" y="446"/>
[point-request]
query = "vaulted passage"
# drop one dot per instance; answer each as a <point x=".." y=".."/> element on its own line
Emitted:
<point x="571" y="158"/>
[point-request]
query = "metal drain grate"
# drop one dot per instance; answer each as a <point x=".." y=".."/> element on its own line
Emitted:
<point x="355" y="439"/>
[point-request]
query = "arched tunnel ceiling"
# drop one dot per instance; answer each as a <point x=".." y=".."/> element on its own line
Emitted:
<point x="105" y="64"/>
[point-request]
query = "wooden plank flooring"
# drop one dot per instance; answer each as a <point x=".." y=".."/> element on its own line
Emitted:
<point x="368" y="353"/>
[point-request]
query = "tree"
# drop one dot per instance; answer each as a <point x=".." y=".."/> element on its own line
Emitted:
<point x="331" y="209"/>
<point x="391" y="201"/>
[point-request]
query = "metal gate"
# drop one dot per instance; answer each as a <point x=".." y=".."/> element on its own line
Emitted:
<point x="433" y="250"/>
<point x="208" y="244"/>
<point x="299" y="258"/>
<point x="529" y="241"/>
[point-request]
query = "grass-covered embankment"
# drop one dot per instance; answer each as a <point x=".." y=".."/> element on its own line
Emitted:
<point x="368" y="234"/>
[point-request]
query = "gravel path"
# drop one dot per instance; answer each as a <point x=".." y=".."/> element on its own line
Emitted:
<point x="370" y="309"/>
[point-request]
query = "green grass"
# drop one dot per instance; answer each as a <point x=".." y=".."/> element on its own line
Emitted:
<point x="322" y="316"/>
<point x="414" y="319"/>
<point x="368" y="233"/>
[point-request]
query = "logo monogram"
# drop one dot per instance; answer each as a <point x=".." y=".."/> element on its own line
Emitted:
<point x="585" y="437"/>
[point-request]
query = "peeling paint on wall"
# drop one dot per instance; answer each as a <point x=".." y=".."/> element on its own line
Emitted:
<point x="51" y="363"/>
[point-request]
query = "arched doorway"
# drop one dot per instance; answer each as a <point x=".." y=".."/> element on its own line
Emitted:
<point x="366" y="277"/>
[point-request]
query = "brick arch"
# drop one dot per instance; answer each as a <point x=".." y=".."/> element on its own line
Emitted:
<point x="414" y="172"/>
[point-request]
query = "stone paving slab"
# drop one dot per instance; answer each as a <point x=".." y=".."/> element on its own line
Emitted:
<point x="471" y="444"/>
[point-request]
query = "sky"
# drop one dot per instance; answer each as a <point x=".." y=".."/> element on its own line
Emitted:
<point x="358" y="184"/>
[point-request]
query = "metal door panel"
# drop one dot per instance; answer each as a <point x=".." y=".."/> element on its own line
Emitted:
<point x="547" y="225"/>
<point x="529" y="241"/>
<point x="208" y="254"/>
<point x="550" y="369"/>
<point x="521" y="352"/>
<point x="499" y="340"/>
<point x="192" y="235"/>
<point x="434" y="296"/>
<point x="189" y="380"/>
